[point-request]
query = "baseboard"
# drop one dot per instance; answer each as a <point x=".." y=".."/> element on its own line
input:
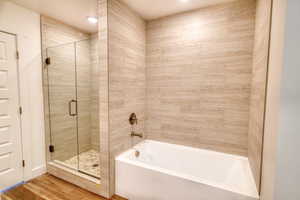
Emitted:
<point x="38" y="171"/>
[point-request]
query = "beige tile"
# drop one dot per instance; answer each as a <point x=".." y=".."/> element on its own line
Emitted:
<point x="199" y="68"/>
<point x="127" y="77"/>
<point x="258" y="87"/>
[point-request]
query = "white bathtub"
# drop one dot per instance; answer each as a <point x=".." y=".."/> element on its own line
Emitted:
<point x="172" y="172"/>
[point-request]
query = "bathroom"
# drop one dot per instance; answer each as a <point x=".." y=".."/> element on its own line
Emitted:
<point x="149" y="99"/>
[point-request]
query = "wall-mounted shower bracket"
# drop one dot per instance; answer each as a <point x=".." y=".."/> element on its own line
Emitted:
<point x="51" y="148"/>
<point x="48" y="61"/>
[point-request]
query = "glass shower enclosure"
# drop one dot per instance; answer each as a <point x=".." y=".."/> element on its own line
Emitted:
<point x="72" y="85"/>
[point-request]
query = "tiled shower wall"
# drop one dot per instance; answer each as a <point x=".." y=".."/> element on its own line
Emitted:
<point x="258" y="87"/>
<point x="104" y="98"/>
<point x="94" y="88"/>
<point x="60" y="37"/>
<point x="122" y="89"/>
<point x="198" y="79"/>
<point x="199" y="66"/>
<point x="127" y="77"/>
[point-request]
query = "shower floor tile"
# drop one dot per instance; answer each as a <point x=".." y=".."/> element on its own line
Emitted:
<point x="88" y="162"/>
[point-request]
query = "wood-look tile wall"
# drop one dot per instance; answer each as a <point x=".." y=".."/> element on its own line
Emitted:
<point x="127" y="77"/>
<point x="84" y="95"/>
<point x="258" y="87"/>
<point x="199" y="78"/>
<point x="199" y="66"/>
<point x="122" y="87"/>
<point x="59" y="82"/>
<point x="94" y="88"/>
<point x="103" y="97"/>
<point x="273" y="100"/>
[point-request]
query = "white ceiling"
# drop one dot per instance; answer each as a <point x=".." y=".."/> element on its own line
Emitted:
<point x="75" y="12"/>
<point x="72" y="12"/>
<point x="152" y="9"/>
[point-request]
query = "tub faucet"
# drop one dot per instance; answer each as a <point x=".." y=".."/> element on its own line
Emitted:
<point x="134" y="134"/>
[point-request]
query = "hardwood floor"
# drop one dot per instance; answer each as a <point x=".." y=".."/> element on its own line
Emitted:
<point x="48" y="187"/>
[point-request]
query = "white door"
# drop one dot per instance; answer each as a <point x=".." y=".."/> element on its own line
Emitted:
<point x="11" y="169"/>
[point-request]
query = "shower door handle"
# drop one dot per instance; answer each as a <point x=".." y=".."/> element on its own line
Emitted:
<point x="70" y="108"/>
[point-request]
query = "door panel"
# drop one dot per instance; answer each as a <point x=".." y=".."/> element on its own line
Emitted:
<point x="11" y="170"/>
<point x="4" y="135"/>
<point x="62" y="104"/>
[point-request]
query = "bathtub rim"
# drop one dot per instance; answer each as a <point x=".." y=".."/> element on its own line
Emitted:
<point x="123" y="157"/>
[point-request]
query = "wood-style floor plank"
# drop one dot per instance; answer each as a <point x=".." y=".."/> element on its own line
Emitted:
<point x="48" y="187"/>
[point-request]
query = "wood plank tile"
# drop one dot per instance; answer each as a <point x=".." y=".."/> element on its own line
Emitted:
<point x="127" y="78"/>
<point x="258" y="87"/>
<point x="198" y="76"/>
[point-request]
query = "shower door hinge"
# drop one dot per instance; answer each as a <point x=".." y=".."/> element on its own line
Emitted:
<point x="48" y="61"/>
<point x="51" y="148"/>
<point x="23" y="163"/>
<point x="20" y="110"/>
<point x="17" y="55"/>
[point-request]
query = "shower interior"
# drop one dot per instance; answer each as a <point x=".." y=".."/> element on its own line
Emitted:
<point x="73" y="106"/>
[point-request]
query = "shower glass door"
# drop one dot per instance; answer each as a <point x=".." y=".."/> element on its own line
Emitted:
<point x="87" y="96"/>
<point x="62" y="100"/>
<point x="73" y="106"/>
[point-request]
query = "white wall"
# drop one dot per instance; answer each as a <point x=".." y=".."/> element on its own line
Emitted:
<point x="26" y="24"/>
<point x="287" y="184"/>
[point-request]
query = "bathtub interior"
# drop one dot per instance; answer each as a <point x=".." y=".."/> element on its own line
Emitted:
<point x="216" y="169"/>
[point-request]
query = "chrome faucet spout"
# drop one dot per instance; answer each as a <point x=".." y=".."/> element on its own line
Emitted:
<point x="134" y="134"/>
